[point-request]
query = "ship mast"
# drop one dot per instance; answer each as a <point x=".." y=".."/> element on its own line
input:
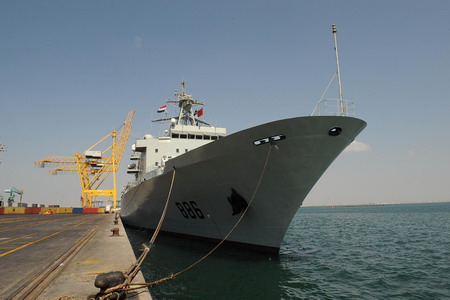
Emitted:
<point x="185" y="102"/>
<point x="186" y="115"/>
<point x="342" y="107"/>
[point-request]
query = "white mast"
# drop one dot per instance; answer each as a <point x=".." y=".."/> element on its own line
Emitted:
<point x="341" y="100"/>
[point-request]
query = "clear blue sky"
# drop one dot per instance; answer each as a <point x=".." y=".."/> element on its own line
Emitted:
<point x="71" y="70"/>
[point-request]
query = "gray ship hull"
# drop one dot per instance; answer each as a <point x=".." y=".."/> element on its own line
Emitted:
<point x="214" y="181"/>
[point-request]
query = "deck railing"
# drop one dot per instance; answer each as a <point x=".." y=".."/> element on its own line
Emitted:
<point x="334" y="107"/>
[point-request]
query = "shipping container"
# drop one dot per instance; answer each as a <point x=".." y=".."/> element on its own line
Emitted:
<point x="64" y="210"/>
<point x="32" y="210"/>
<point x="14" y="210"/>
<point x="77" y="210"/>
<point x="90" y="210"/>
<point x="49" y="210"/>
<point x="2" y="210"/>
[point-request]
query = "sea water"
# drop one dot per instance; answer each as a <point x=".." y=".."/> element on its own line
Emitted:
<point x="361" y="252"/>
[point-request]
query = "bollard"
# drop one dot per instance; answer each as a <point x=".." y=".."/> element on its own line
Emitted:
<point x="115" y="231"/>
<point x="105" y="281"/>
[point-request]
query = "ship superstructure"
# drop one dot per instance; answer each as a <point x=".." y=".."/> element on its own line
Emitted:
<point x="186" y="132"/>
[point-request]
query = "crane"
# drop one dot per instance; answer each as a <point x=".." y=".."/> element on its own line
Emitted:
<point x="12" y="191"/>
<point x="94" y="166"/>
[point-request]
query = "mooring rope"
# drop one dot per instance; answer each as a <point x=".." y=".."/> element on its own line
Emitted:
<point x="131" y="273"/>
<point x="222" y="241"/>
<point x="163" y="215"/>
<point x="134" y="269"/>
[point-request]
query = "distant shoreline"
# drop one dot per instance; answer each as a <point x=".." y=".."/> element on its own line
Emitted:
<point x="352" y="205"/>
<point x="371" y="204"/>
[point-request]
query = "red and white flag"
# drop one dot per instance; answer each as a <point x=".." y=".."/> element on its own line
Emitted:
<point x="162" y="109"/>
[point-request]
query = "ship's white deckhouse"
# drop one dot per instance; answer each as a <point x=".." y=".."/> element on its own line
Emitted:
<point x="151" y="154"/>
<point x="186" y="132"/>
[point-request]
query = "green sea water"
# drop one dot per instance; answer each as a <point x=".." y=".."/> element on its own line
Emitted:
<point x="365" y="252"/>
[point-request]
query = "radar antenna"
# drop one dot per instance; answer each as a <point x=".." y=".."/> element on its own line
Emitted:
<point x="186" y="115"/>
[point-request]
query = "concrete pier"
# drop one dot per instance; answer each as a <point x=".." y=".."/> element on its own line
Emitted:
<point x="51" y="256"/>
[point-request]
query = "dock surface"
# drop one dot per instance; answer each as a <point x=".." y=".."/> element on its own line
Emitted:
<point x="51" y="256"/>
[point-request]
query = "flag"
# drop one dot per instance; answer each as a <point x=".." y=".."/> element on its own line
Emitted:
<point x="162" y="109"/>
<point x="200" y="112"/>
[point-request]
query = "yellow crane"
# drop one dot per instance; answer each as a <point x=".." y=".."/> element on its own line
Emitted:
<point x="94" y="166"/>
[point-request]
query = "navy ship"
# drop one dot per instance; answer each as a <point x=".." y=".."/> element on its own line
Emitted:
<point x="264" y="172"/>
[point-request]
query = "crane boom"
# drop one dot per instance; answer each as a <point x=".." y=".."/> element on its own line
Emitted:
<point x="93" y="167"/>
<point x="12" y="191"/>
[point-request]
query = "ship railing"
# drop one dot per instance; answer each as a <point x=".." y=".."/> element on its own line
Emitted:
<point x="154" y="172"/>
<point x="334" y="107"/>
<point x="128" y="186"/>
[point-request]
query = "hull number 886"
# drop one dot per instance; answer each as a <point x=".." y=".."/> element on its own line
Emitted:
<point x="190" y="210"/>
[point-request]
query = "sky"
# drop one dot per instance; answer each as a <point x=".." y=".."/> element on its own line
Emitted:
<point x="71" y="71"/>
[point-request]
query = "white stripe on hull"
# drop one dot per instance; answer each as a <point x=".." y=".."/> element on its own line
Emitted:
<point x="206" y="176"/>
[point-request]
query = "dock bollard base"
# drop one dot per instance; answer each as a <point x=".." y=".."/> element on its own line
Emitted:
<point x="115" y="231"/>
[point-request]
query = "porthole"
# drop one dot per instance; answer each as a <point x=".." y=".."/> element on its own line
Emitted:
<point x="335" y="131"/>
